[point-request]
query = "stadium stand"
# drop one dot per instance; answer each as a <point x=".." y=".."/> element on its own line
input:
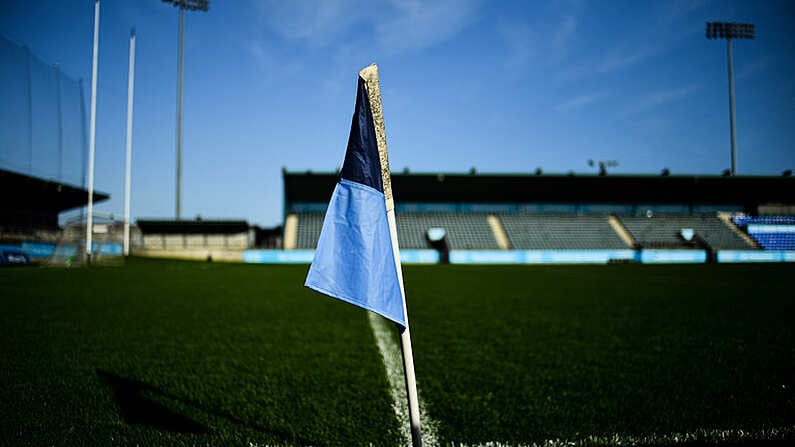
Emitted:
<point x="464" y="230"/>
<point x="199" y="239"/>
<point x="308" y="231"/>
<point x="31" y="204"/>
<point x="770" y="232"/>
<point x="743" y="220"/>
<point x="663" y="231"/>
<point x="467" y="231"/>
<point x="560" y="232"/>
<point x="556" y="212"/>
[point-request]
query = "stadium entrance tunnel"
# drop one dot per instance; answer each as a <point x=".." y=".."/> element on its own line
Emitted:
<point x="437" y="239"/>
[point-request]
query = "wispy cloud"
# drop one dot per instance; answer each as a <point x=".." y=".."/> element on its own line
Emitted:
<point x="652" y="38"/>
<point x="581" y="101"/>
<point x="661" y="97"/>
<point x="519" y="43"/>
<point x="316" y="22"/>
<point x="755" y="67"/>
<point x="267" y="60"/>
<point x="396" y="25"/>
<point x="564" y="33"/>
<point x="417" y="24"/>
<point x="523" y="44"/>
<point x="622" y="58"/>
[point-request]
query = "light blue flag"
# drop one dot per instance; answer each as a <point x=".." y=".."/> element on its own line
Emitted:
<point x="355" y="258"/>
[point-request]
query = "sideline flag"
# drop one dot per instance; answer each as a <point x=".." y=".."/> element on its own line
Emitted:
<point x="357" y="255"/>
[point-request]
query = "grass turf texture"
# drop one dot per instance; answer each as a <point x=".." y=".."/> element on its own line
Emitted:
<point x="524" y="354"/>
<point x="176" y="353"/>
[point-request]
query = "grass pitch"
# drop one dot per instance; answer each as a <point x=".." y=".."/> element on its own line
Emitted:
<point x="523" y="354"/>
<point x="178" y="353"/>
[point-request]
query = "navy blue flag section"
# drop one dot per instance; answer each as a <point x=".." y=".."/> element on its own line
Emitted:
<point x="357" y="258"/>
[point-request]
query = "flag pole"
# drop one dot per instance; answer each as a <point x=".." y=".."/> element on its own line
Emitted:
<point x="370" y="76"/>
<point x="411" y="388"/>
<point x="405" y="344"/>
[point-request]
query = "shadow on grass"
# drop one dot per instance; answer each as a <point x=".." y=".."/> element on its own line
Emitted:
<point x="138" y="409"/>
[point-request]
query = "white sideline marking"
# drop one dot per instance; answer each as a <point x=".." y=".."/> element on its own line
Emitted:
<point x="710" y="436"/>
<point x="700" y="435"/>
<point x="393" y="362"/>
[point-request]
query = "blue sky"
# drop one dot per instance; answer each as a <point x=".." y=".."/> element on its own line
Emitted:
<point x="500" y="86"/>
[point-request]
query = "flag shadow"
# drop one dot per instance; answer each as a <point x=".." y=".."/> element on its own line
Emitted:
<point x="137" y="409"/>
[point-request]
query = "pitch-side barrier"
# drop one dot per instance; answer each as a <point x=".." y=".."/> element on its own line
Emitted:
<point x="654" y="256"/>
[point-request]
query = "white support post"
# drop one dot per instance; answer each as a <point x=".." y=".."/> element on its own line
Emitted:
<point x="178" y="210"/>
<point x="128" y="161"/>
<point x="92" y="135"/>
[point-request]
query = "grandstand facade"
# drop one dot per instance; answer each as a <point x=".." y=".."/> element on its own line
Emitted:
<point x="31" y="205"/>
<point x="564" y="212"/>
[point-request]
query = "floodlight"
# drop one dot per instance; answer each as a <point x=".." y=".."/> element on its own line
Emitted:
<point x="193" y="5"/>
<point x="729" y="31"/>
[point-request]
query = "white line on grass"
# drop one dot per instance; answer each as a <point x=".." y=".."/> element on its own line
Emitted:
<point x="393" y="361"/>
<point x="700" y="435"/>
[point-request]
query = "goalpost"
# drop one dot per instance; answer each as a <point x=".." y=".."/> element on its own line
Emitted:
<point x="106" y="245"/>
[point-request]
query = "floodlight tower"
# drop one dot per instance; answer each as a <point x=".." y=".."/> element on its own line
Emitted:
<point x="729" y="31"/>
<point x="193" y="5"/>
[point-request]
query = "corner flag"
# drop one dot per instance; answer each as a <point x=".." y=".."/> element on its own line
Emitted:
<point x="357" y="255"/>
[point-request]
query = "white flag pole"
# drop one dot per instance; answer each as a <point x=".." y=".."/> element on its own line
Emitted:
<point x="370" y="76"/>
<point x="92" y="134"/>
<point x="130" y="87"/>
<point x="405" y="343"/>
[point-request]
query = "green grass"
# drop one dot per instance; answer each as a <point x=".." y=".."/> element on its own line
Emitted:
<point x="190" y="353"/>
<point x="520" y="354"/>
<point x="179" y="353"/>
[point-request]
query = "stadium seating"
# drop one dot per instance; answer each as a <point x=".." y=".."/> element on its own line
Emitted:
<point x="743" y="220"/>
<point x="664" y="231"/>
<point x="770" y="232"/>
<point x="560" y="232"/>
<point x="464" y="230"/>
<point x="545" y="231"/>
<point x="309" y="225"/>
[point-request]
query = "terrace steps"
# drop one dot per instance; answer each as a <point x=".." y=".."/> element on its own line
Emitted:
<point x="727" y="219"/>
<point x="621" y="231"/>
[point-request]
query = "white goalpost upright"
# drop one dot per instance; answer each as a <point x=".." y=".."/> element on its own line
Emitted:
<point x="128" y="160"/>
<point x="92" y="135"/>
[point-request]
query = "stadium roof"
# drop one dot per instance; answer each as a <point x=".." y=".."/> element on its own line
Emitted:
<point x="22" y="191"/>
<point x="749" y="191"/>
<point x="155" y="226"/>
